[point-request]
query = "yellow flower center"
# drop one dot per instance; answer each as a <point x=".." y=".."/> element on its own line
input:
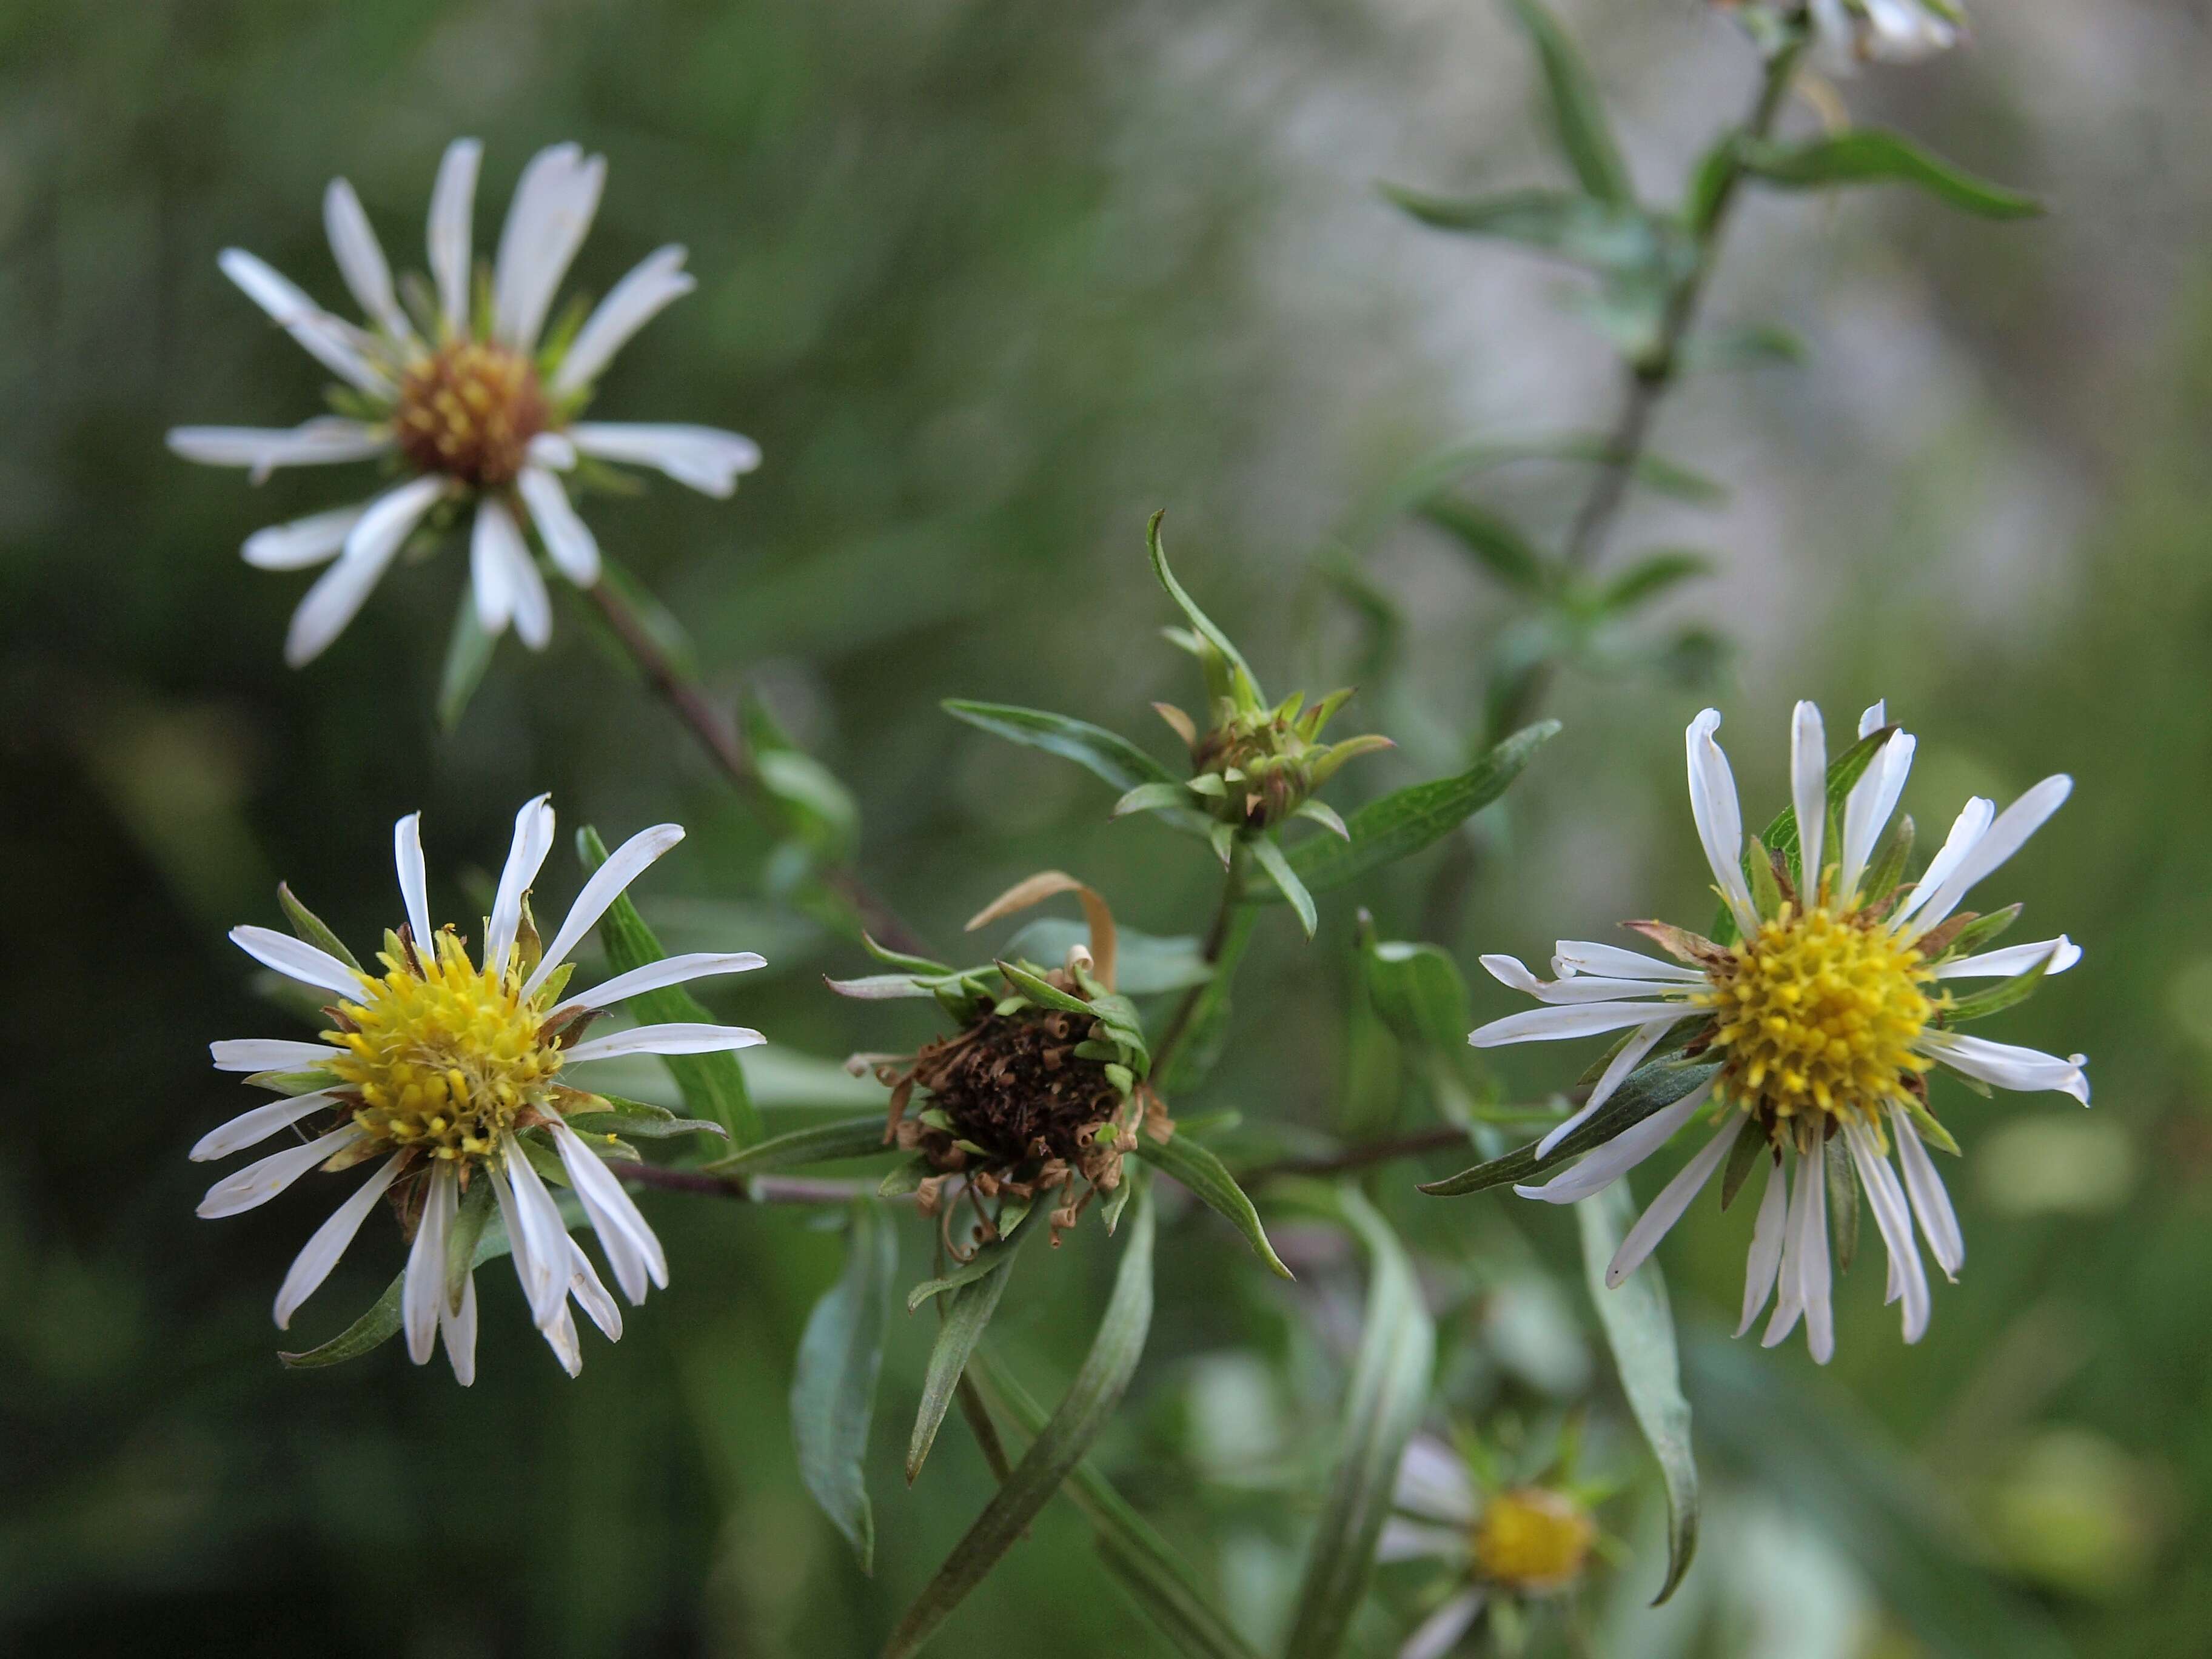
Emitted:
<point x="445" y="1058"/>
<point x="1533" y="1540"/>
<point x="1818" y="1013"/>
<point x="470" y="410"/>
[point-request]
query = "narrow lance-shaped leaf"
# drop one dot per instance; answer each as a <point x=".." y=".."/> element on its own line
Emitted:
<point x="821" y="1143"/>
<point x="468" y="654"/>
<point x="1651" y="1087"/>
<point x="312" y="927"/>
<point x="1498" y="546"/>
<point x="1577" y="113"/>
<point x="1209" y="1179"/>
<point x="1270" y="858"/>
<point x="1203" y="623"/>
<point x="1606" y="235"/>
<point x="833" y="1386"/>
<point x="1640" y="1329"/>
<point x="1869" y="155"/>
<point x="1105" y="755"/>
<point x="975" y="1292"/>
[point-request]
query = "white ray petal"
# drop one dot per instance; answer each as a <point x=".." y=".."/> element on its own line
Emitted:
<point x="1808" y="792"/>
<point x="705" y="457"/>
<point x="336" y="597"/>
<point x="1907" y="1276"/>
<point x="669" y="971"/>
<point x="499" y="559"/>
<point x="296" y="959"/>
<point x="268" y="1054"/>
<point x="423" y="1291"/>
<point x="1766" y="1257"/>
<point x="1815" y="1282"/>
<point x="1867" y="808"/>
<point x="314" y="1264"/>
<point x="302" y="544"/>
<point x="1440" y="1632"/>
<point x="1789" y="1284"/>
<point x="325" y="440"/>
<point x="362" y="261"/>
<point x="1667" y="1209"/>
<point x="1575" y="988"/>
<point x="533" y="840"/>
<point x="1603" y="1165"/>
<point x="414" y="878"/>
<point x="1434" y="1481"/>
<point x="1580" y="956"/>
<point x="1968" y="827"/>
<point x="1938" y="1223"/>
<point x="2061" y="953"/>
<point x="457" y="1326"/>
<point x="256" y="1183"/>
<point x="252" y="1128"/>
<point x="653" y="283"/>
<point x="1876" y="717"/>
<point x="551" y="450"/>
<point x="1719" y="817"/>
<point x="329" y="340"/>
<point x="623" y="866"/>
<point x="672" y="1039"/>
<point x="568" y="538"/>
<point x="2030" y="1071"/>
<point x="560" y="1334"/>
<point x="1401" y="1540"/>
<point x="1557" y="1025"/>
<point x="546" y="222"/>
<point x="614" y="1213"/>
<point x="453" y="212"/>
<point x="2006" y="836"/>
<point x="1615" y="1073"/>
<point x="541" y="1237"/>
<point x="591" y="1296"/>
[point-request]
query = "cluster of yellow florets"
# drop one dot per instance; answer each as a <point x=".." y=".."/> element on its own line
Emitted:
<point x="1818" y="1012"/>
<point x="470" y="410"/>
<point x="1532" y="1539"/>
<point x="443" y="1055"/>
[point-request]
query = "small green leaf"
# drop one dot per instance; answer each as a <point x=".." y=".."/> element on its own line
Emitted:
<point x="1577" y="113"/>
<point x="1750" y="1141"/>
<point x="641" y="1118"/>
<point x="1886" y="868"/>
<point x="1154" y="798"/>
<point x="1209" y="1179"/>
<point x="976" y="1289"/>
<point x="1650" y="576"/>
<point x="905" y="1178"/>
<point x="1420" y="993"/>
<point x="1651" y="1087"/>
<point x="1869" y="155"/>
<point x="469" y="651"/>
<point x="1498" y="546"/>
<point x="312" y="929"/>
<point x="1603" y="236"/>
<point x="833" y="1386"/>
<point x="823" y="1143"/>
<point x="1843" y="1205"/>
<point x="1982" y="930"/>
<point x="1084" y="1410"/>
<point x="1104" y="754"/>
<point x="1765" y="889"/>
<point x="1640" y="1330"/>
<point x="1269" y="855"/>
<point x="1199" y="620"/>
<point x="374" y="1328"/>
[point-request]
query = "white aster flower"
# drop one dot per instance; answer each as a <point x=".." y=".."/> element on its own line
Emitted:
<point x="1815" y="1030"/>
<point x="452" y="387"/>
<point x="450" y="1072"/>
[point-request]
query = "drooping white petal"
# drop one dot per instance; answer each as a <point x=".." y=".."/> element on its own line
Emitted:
<point x="268" y="1054"/>
<point x="2007" y="1066"/>
<point x="614" y="1213"/>
<point x="1401" y="1540"/>
<point x="622" y="866"/>
<point x="546" y="222"/>
<point x="336" y="597"/>
<point x="1578" y="956"/>
<point x="1667" y="1209"/>
<point x="560" y="1334"/>
<point x="1719" y="817"/>
<point x="1867" y="808"/>
<point x="1815" y="1284"/>
<point x="2006" y="836"/>
<point x="709" y="460"/>
<point x="413" y="877"/>
<point x="302" y="544"/>
<point x="568" y="538"/>
<point x="256" y="1183"/>
<point x="539" y="1235"/>
<point x="1908" y="1277"/>
<point x="1789" y="1284"/>
<point x="296" y="959"/>
<point x="533" y="839"/>
<point x="1434" y="1481"/>
<point x="452" y="210"/>
<point x="252" y="1128"/>
<point x="1766" y="1257"/>
<point x="1606" y="1164"/>
<point x="1615" y="1073"/>
<point x="1556" y="1024"/>
<point x="423" y="1291"/>
<point x="329" y="340"/>
<point x="324" y="440"/>
<point x="669" y="971"/>
<point x="1575" y="988"/>
<point x="314" y="1264"/>
<point x="1876" y="717"/>
<point x="1440" y="1632"/>
<point x="1968" y="827"/>
<point x="591" y="1296"/>
<point x="2061" y="953"/>
<point x="361" y="262"/>
<point x="672" y="1039"/>
<point x="457" y="1327"/>
<point x="506" y="578"/>
<point x="654" y="282"/>
<point x="1938" y="1223"/>
<point x="1808" y="791"/>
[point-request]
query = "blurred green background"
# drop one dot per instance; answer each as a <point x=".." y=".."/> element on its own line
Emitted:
<point x="989" y="282"/>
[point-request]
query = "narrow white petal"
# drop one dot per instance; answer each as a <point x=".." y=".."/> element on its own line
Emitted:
<point x="1401" y="1540"/>
<point x="1766" y="1257"/>
<point x="1440" y="1632"/>
<point x="296" y="959"/>
<point x="302" y="544"/>
<point x="1938" y="1223"/>
<point x="1867" y="808"/>
<point x="554" y="202"/>
<point x="623" y="866"/>
<point x="653" y="283"/>
<point x="336" y="597"/>
<point x="252" y="1128"/>
<point x="1579" y="956"/>
<point x="560" y="1334"/>
<point x="452" y="208"/>
<point x="547" y="1284"/>
<point x="2006" y="836"/>
<point x="611" y="1209"/>
<point x="1631" y="1056"/>
<point x="2061" y="953"/>
<point x="324" y="440"/>
<point x="256" y="1183"/>
<point x="1808" y="791"/>
<point x="329" y="340"/>
<point x="591" y="1296"/>
<point x="1555" y="1024"/>
<point x="1908" y="1277"/>
<point x="268" y="1054"/>
<point x="568" y="538"/>
<point x="707" y="458"/>
<point x="675" y="1039"/>
<point x="1968" y="827"/>
<point x="533" y="840"/>
<point x="1719" y="817"/>
<point x="1874" y="720"/>
<point x="1667" y="1209"/>
<point x="1816" y="1282"/>
<point x="533" y="606"/>
<point x="1434" y="1481"/>
<point x="1574" y="988"/>
<point x="534" y="1270"/>
<point x="413" y="877"/>
<point x="491" y="577"/>
<point x="2030" y="1071"/>
<point x="423" y="1291"/>
<point x="314" y="1264"/>
<point x="552" y="451"/>
<point x="669" y="971"/>
<point x="361" y="260"/>
<point x="458" y="1329"/>
<point x="1606" y="1164"/>
<point x="1789" y="1287"/>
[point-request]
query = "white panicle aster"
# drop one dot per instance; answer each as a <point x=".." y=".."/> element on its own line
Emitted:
<point x="450" y="384"/>
<point x="450" y="1071"/>
<point x="1814" y="1027"/>
<point x="1849" y="33"/>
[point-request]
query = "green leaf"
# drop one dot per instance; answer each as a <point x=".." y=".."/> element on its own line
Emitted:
<point x="1982" y="930"/>
<point x="642" y="1118"/>
<point x="1154" y="798"/>
<point x="373" y="1328"/>
<point x="1498" y="546"/>
<point x="1104" y="754"/>
<point x="1150" y="1571"/>
<point x="1604" y="235"/>
<point x="1651" y="1087"/>
<point x="1650" y="576"/>
<point x="1750" y="1141"/>
<point x="1146" y="963"/>
<point x="823" y="1143"/>
<point x="1886" y="868"/>
<point x="1060" y="1446"/>
<point x="1869" y="155"/>
<point x="1577" y="113"/>
<point x="1640" y="1330"/>
<point x="1209" y="1179"/>
<point x="1403" y="822"/>
<point x="658" y="622"/>
<point x="1388" y="1397"/>
<point x="469" y="651"/>
<point x="1843" y="1205"/>
<point x="1419" y="992"/>
<point x="976" y="1289"/>
<point x="833" y="1386"/>
<point x="712" y="1086"/>
<point x="1269" y="855"/>
<point x="1199" y="620"/>
<point x="312" y="929"/>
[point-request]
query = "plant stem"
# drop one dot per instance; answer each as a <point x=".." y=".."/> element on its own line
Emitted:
<point x="688" y="699"/>
<point x="1217" y="938"/>
<point x="1443" y="1138"/>
<point x="749" y="1190"/>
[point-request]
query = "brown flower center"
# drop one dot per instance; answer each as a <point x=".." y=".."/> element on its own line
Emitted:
<point x="470" y="412"/>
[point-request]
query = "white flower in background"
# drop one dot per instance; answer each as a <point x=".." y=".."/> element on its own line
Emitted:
<point x="1848" y="32"/>
<point x="1822" y="1020"/>
<point x="450" y="1072"/>
<point x="452" y="386"/>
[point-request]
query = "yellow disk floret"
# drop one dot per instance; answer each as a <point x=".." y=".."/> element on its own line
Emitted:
<point x="470" y="410"/>
<point x="1818" y="1013"/>
<point x="1533" y="1540"/>
<point x="446" y="1058"/>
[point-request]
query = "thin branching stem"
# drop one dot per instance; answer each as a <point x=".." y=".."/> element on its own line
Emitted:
<point x="747" y="1189"/>
<point x="1217" y="937"/>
